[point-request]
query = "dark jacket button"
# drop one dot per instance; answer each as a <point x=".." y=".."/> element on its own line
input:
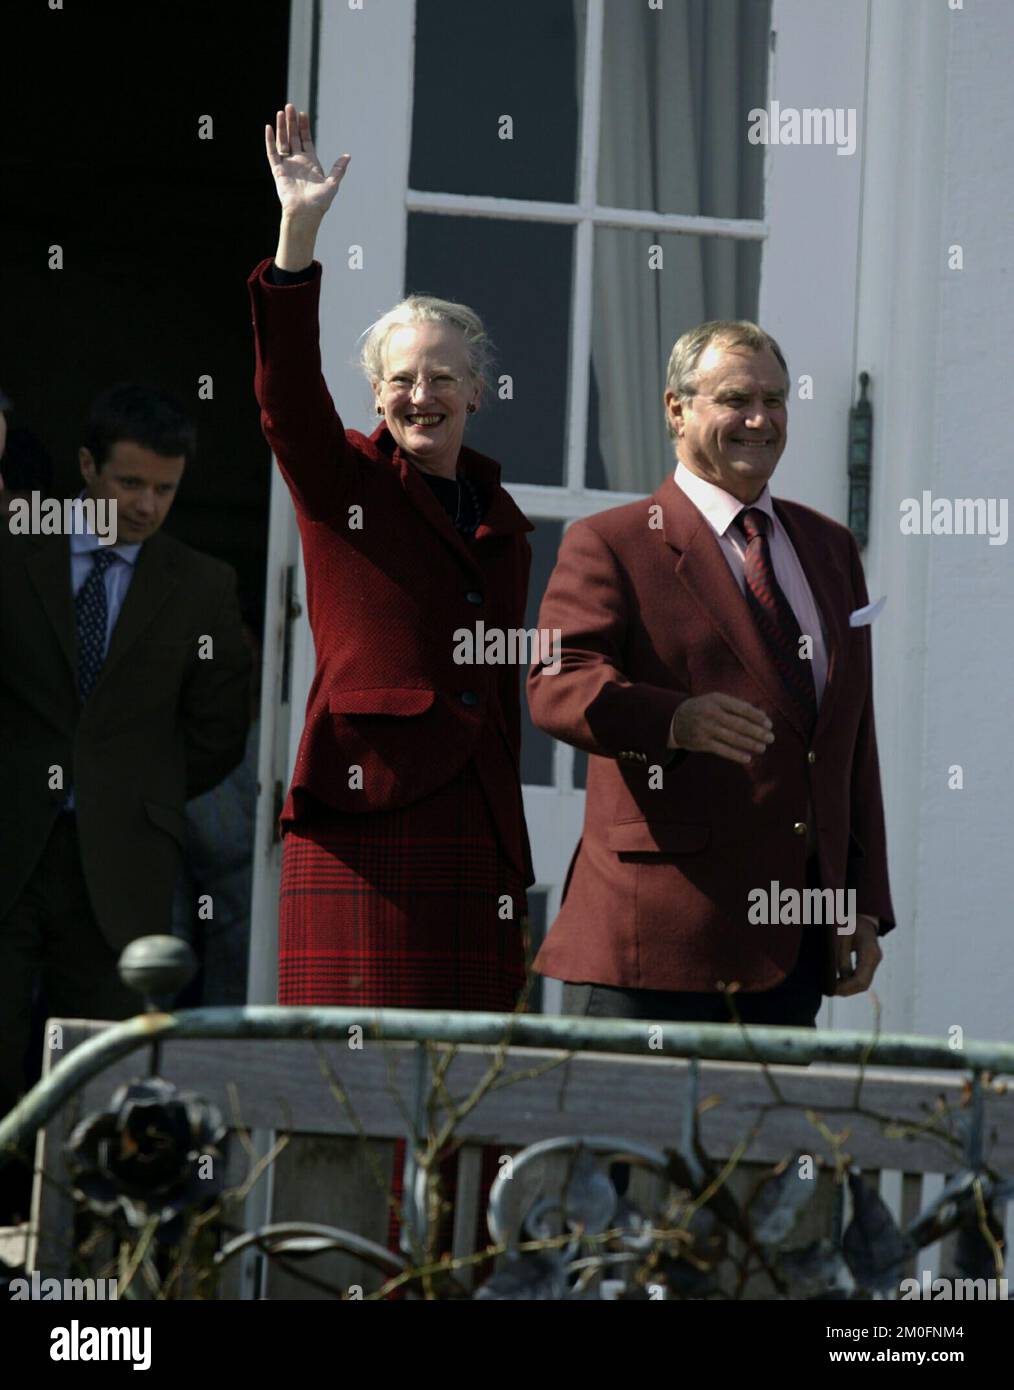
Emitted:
<point x="473" y="597"/>
<point x="469" y="698"/>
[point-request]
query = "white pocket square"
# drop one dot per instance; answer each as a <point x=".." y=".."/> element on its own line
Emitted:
<point x="862" y="617"/>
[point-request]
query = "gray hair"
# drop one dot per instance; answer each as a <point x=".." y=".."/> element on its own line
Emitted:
<point x="427" y="308"/>
<point x="682" y="377"/>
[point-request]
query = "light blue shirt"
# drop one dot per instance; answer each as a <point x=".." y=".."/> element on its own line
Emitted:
<point x="117" y="580"/>
<point x="117" y="577"/>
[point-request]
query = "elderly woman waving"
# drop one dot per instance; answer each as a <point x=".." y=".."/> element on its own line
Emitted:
<point x="405" y="856"/>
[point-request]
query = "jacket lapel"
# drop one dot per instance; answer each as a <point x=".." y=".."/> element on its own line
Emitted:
<point x="502" y="515"/>
<point x="704" y="571"/>
<point x="150" y="587"/>
<point x="49" y="570"/>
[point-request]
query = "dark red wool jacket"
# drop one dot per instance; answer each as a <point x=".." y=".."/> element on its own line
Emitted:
<point x="388" y="582"/>
<point x="658" y="892"/>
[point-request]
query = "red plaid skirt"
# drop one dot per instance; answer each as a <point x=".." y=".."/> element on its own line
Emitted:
<point x="402" y="908"/>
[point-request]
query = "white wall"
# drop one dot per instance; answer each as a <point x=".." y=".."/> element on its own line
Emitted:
<point x="934" y="168"/>
<point x="808" y="274"/>
<point x="939" y="171"/>
<point x="965" y="885"/>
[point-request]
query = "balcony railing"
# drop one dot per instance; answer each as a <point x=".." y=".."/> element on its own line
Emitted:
<point x="683" y="1160"/>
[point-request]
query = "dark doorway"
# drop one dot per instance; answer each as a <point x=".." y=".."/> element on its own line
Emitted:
<point x="159" y="229"/>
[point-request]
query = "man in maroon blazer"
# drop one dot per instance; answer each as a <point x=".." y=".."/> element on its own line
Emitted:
<point x="716" y="666"/>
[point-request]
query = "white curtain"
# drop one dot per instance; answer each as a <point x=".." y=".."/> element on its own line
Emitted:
<point x="676" y="86"/>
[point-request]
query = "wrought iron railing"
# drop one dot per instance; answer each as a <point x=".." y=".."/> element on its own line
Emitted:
<point x="589" y="1228"/>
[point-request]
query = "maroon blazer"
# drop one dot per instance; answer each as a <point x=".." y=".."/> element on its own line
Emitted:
<point x="657" y="891"/>
<point x="388" y="581"/>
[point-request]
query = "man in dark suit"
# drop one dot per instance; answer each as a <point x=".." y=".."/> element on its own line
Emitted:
<point x="123" y="691"/>
<point x="716" y="665"/>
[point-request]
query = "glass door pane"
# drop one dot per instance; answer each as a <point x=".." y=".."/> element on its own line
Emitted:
<point x="648" y="290"/>
<point x="677" y="85"/>
<point x="516" y="276"/>
<point x="474" y="65"/>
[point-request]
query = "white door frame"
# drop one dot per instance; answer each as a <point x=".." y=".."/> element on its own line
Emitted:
<point x="363" y="83"/>
<point x="813" y="204"/>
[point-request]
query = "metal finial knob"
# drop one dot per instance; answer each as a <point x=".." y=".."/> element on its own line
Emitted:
<point x="157" y="967"/>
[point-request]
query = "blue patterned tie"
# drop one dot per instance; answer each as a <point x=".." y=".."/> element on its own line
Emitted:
<point x="92" y="613"/>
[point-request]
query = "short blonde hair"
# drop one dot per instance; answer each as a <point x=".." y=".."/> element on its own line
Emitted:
<point x="681" y="375"/>
<point x="427" y="308"/>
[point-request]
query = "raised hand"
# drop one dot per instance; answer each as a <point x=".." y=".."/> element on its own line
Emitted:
<point x="304" y="190"/>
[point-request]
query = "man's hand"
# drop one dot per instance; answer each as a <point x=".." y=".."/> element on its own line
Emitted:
<point x="721" y="724"/>
<point x="855" y="979"/>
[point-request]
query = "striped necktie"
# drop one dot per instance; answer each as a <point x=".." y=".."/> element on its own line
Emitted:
<point x="91" y="612"/>
<point x="774" y="616"/>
